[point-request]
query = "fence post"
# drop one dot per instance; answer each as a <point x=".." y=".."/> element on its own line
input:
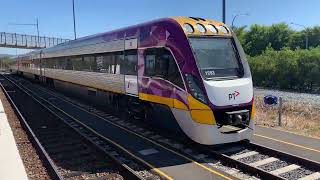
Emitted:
<point x="280" y="112"/>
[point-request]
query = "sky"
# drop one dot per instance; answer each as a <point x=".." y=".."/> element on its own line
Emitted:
<point x="94" y="16"/>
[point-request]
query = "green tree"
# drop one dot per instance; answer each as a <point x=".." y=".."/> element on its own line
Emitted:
<point x="287" y="69"/>
<point x="279" y="35"/>
<point x="313" y="36"/>
<point x="240" y="32"/>
<point x="5" y="62"/>
<point x="256" y="40"/>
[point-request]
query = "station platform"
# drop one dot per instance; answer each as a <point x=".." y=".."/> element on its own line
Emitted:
<point x="11" y="165"/>
<point x="303" y="146"/>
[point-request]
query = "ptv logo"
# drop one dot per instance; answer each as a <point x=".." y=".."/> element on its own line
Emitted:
<point x="233" y="95"/>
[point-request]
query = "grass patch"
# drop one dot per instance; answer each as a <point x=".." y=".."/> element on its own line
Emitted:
<point x="300" y="118"/>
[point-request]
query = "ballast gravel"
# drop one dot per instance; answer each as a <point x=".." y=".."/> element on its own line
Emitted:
<point x="32" y="163"/>
<point x="254" y="158"/>
<point x="274" y="165"/>
<point x="296" y="174"/>
<point x="238" y="153"/>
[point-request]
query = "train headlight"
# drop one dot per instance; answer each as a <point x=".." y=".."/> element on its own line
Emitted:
<point x="201" y="28"/>
<point x="195" y="89"/>
<point x="212" y="28"/>
<point x="187" y="27"/>
<point x="224" y="29"/>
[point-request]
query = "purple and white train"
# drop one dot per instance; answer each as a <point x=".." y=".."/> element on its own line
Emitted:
<point x="181" y="74"/>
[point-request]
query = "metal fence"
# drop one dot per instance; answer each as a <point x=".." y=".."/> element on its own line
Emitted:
<point x="13" y="40"/>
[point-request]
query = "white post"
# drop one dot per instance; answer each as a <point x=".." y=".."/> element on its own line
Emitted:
<point x="280" y="111"/>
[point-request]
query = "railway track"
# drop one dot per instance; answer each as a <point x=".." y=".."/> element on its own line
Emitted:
<point x="45" y="158"/>
<point x="165" y="164"/>
<point x="251" y="158"/>
<point x="69" y="151"/>
<point x="267" y="162"/>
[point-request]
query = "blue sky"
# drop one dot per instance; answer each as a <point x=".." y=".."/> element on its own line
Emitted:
<point x="93" y="16"/>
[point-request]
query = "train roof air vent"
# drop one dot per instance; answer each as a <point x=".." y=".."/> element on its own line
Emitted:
<point x="194" y="18"/>
<point x="197" y="18"/>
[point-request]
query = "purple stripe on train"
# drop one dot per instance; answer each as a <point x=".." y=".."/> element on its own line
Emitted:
<point x="163" y="32"/>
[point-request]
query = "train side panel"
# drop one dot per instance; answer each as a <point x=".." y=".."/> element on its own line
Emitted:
<point x="103" y="81"/>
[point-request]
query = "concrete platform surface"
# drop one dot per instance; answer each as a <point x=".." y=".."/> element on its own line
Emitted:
<point x="11" y="166"/>
<point x="299" y="145"/>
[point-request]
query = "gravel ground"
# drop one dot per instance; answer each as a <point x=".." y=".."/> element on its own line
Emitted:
<point x="273" y="166"/>
<point x="253" y="158"/>
<point x="300" y="112"/>
<point x="296" y="174"/>
<point x="238" y="152"/>
<point x="32" y="163"/>
<point x="290" y="96"/>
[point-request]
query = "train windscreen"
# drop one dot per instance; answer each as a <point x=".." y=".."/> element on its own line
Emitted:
<point x="216" y="57"/>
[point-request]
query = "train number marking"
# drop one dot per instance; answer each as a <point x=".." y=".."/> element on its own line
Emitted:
<point x="210" y="73"/>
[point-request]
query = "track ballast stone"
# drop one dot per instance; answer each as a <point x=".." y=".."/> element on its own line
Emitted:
<point x="296" y="174"/>
<point x="254" y="158"/>
<point x="274" y="165"/>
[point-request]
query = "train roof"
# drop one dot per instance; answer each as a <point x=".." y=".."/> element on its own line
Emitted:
<point x="192" y="26"/>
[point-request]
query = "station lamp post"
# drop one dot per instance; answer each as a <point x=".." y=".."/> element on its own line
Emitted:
<point x="306" y="36"/>
<point x="235" y="17"/>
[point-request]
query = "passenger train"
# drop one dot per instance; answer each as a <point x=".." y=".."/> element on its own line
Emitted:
<point x="181" y="74"/>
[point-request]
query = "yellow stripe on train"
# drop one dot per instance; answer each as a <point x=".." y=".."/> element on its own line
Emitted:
<point x="200" y="112"/>
<point x="171" y="102"/>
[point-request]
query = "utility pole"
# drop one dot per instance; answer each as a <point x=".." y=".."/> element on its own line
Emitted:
<point x="224" y="11"/>
<point x="306" y="36"/>
<point x="74" y="21"/>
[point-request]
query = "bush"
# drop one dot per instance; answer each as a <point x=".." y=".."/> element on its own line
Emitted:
<point x="256" y="38"/>
<point x="287" y="69"/>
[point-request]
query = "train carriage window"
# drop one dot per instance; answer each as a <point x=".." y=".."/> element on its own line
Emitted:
<point x="69" y="64"/>
<point x="109" y="61"/>
<point x="101" y="66"/>
<point x="89" y="63"/>
<point x="106" y="63"/>
<point x="118" y="60"/>
<point x="77" y="63"/>
<point x="36" y="63"/>
<point x="50" y="63"/>
<point x="159" y="62"/>
<point x="129" y="65"/>
<point x="59" y="63"/>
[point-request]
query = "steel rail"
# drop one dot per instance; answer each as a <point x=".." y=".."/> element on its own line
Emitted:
<point x="225" y="159"/>
<point x="50" y="165"/>
<point x="310" y="164"/>
<point x="284" y="156"/>
<point x="154" y="142"/>
<point x="132" y="174"/>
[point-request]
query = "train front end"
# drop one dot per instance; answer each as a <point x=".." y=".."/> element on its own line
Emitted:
<point x="220" y="89"/>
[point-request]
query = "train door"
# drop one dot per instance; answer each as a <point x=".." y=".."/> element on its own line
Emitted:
<point x="155" y="84"/>
<point x="130" y="67"/>
<point x="160" y="85"/>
